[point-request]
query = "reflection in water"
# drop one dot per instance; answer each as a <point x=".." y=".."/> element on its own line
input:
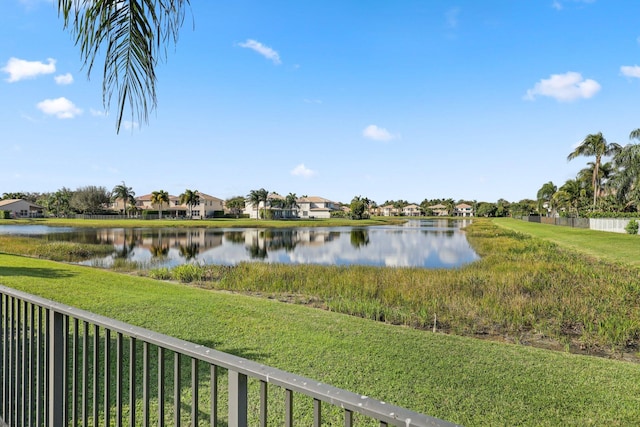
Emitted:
<point x="359" y="237"/>
<point x="416" y="243"/>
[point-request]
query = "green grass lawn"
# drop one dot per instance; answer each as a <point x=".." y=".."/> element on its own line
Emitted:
<point x="464" y="380"/>
<point x="616" y="247"/>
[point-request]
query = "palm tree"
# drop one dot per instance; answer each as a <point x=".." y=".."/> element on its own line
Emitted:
<point x="595" y="145"/>
<point x="124" y="193"/>
<point x="626" y="182"/>
<point x="158" y="198"/>
<point x="190" y="198"/>
<point x="545" y="194"/>
<point x="255" y="197"/>
<point x="134" y="34"/>
<point x="291" y="201"/>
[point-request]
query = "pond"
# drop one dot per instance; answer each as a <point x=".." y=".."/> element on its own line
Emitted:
<point x="430" y="243"/>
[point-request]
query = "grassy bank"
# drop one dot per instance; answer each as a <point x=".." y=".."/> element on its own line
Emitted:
<point x="614" y="247"/>
<point x="468" y="381"/>
<point x="524" y="290"/>
<point x="204" y="223"/>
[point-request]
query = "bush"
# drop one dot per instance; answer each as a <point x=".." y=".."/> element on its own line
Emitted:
<point x="5" y="214"/>
<point x="632" y="227"/>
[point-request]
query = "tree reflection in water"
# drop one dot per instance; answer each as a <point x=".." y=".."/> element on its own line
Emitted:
<point x="359" y="237"/>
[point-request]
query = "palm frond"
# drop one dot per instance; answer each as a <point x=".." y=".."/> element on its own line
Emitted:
<point x="134" y="35"/>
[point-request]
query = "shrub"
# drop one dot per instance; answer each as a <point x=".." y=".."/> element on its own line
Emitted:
<point x="632" y="227"/>
<point x="5" y="214"/>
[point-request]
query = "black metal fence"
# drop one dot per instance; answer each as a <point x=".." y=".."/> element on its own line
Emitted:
<point x="62" y="366"/>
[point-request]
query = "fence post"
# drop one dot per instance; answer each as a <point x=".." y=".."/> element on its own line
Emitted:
<point x="56" y="369"/>
<point x="237" y="399"/>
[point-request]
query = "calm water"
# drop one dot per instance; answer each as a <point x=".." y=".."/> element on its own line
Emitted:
<point x="417" y="243"/>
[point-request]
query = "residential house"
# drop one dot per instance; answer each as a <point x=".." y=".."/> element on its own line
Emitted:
<point x="206" y="207"/>
<point x="315" y="207"/>
<point x="463" y="209"/>
<point x="20" y="208"/>
<point x="389" y="210"/>
<point x="439" y="210"/>
<point x="411" y="210"/>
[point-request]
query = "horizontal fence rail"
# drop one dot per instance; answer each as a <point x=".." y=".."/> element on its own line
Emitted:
<point x="62" y="366"/>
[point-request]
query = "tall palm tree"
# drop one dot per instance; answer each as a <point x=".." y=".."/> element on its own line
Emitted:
<point x="190" y="198"/>
<point x="595" y="145"/>
<point x="124" y="193"/>
<point x="159" y="198"/>
<point x="133" y="35"/>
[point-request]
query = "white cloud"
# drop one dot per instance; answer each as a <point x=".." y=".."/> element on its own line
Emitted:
<point x="62" y="108"/>
<point x="557" y="5"/>
<point x="19" y="69"/>
<point x="377" y="133"/>
<point x="564" y="87"/>
<point x="263" y="50"/>
<point x="630" y="71"/>
<point x="64" y="79"/>
<point x="97" y="113"/>
<point x="303" y="171"/>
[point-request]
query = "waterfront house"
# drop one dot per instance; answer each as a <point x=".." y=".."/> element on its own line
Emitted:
<point x="439" y="210"/>
<point x="463" y="209"/>
<point x="411" y="210"/>
<point x="20" y="208"/>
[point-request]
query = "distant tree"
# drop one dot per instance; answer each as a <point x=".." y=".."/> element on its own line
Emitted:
<point x="124" y="193"/>
<point x="290" y="201"/>
<point x="523" y="207"/>
<point x="626" y="182"/>
<point x="486" y="209"/>
<point x="235" y="205"/>
<point x="595" y="145"/>
<point x="190" y="198"/>
<point x="11" y="196"/>
<point x="159" y="198"/>
<point x="545" y="194"/>
<point x="502" y="208"/>
<point x="359" y="207"/>
<point x="90" y="199"/>
<point x="255" y="197"/>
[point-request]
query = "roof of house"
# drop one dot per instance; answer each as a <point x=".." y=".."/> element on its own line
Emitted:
<point x="314" y="199"/>
<point x="438" y="206"/>
<point x="7" y="202"/>
<point x="207" y="196"/>
<point x="412" y="206"/>
<point x="463" y="206"/>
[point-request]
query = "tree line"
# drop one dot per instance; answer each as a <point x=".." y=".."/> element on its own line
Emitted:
<point x="610" y="184"/>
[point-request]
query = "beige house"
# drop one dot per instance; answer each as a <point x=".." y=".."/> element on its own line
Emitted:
<point x="205" y="208"/>
<point x="411" y="210"/>
<point x="308" y="208"/>
<point x="463" y="209"/>
<point x="20" y="208"/>
<point x="439" y="210"/>
<point x="389" y="210"/>
<point x="316" y="207"/>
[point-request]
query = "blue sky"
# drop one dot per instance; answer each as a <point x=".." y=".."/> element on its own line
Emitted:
<point x="467" y="99"/>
